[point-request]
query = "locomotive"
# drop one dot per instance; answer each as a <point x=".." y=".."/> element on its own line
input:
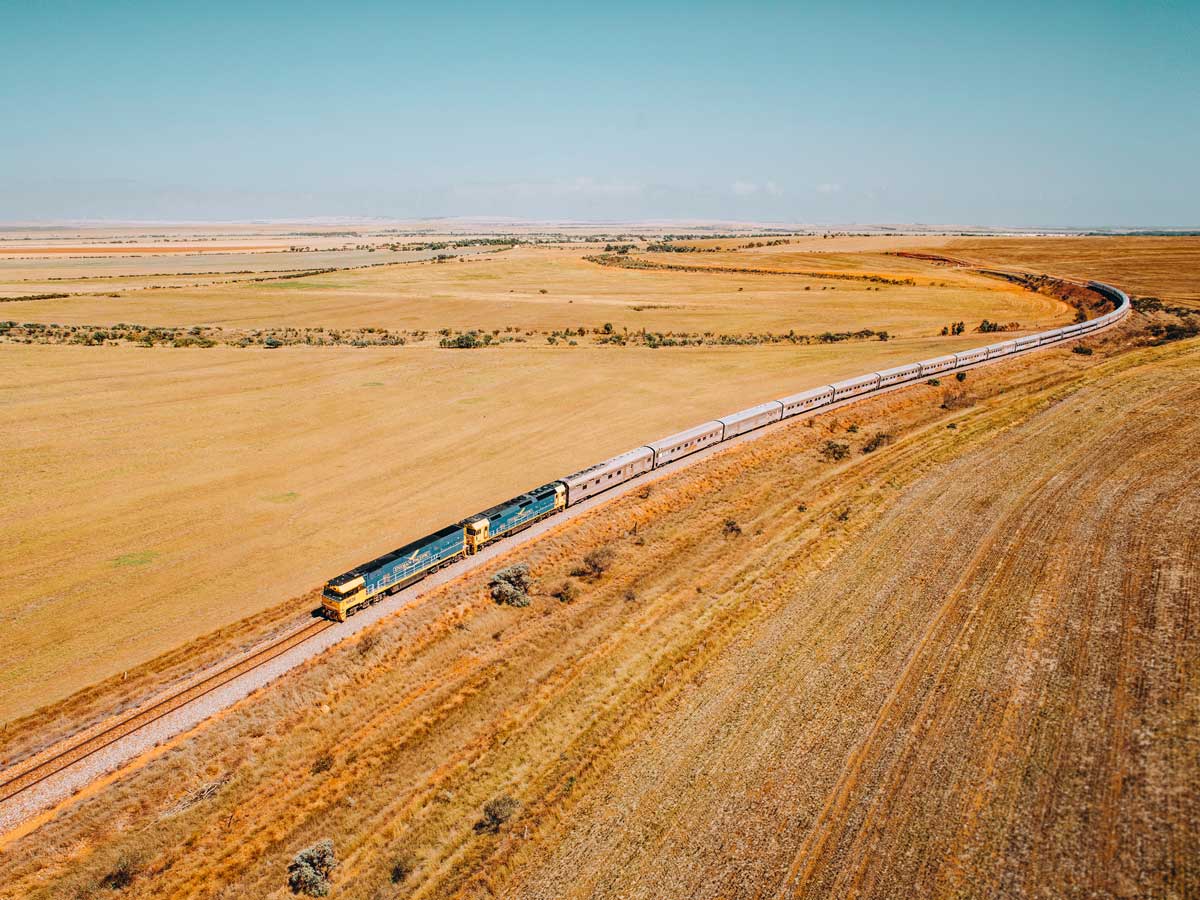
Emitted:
<point x="372" y="581"/>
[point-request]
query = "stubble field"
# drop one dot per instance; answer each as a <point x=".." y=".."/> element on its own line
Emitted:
<point x="960" y="662"/>
<point x="166" y="492"/>
<point x="964" y="663"/>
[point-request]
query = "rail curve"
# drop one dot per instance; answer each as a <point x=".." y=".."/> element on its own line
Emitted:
<point x="53" y="775"/>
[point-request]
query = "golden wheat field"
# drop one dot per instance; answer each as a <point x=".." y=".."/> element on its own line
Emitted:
<point x="961" y="661"/>
<point x="879" y="682"/>
<point x="169" y="491"/>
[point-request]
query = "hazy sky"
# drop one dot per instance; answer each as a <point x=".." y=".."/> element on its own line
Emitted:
<point x="992" y="113"/>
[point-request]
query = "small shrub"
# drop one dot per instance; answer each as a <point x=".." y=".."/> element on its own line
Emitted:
<point x="630" y="596"/>
<point x="933" y="382"/>
<point x="406" y="863"/>
<point x="308" y="872"/>
<point x="834" y="451"/>
<point x="956" y="399"/>
<point x="881" y="439"/>
<point x="960" y="376"/>
<point x="567" y="592"/>
<point x="843" y="515"/>
<point x="852" y="429"/>
<point x="1082" y="350"/>
<point x="126" y="869"/>
<point x="271" y="343"/>
<point x="495" y="813"/>
<point x="731" y="527"/>
<point x="322" y="763"/>
<point x="598" y="561"/>
<point x="510" y="585"/>
<point x="801" y="507"/>
<point x="368" y="642"/>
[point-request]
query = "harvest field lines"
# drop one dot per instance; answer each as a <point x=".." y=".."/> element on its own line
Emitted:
<point x="674" y="665"/>
<point x="50" y="760"/>
<point x="182" y="503"/>
<point x="549" y="705"/>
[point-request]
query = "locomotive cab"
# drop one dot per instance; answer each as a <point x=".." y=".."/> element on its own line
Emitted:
<point x="342" y="594"/>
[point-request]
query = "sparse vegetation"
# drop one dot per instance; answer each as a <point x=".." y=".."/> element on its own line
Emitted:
<point x="567" y="592"/>
<point x="877" y="440"/>
<point x="595" y="562"/>
<point x="322" y="763"/>
<point x="510" y="585"/>
<point x="406" y="863"/>
<point x="835" y="451"/>
<point x="495" y="813"/>
<point x="309" y="870"/>
<point x="123" y="873"/>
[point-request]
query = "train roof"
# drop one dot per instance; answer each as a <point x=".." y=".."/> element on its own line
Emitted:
<point x="407" y="550"/>
<point x="619" y="460"/>
<point x="807" y="395"/>
<point x="897" y="370"/>
<point x="520" y="500"/>
<point x="752" y="411"/>
<point x="855" y="381"/>
<point x="672" y="439"/>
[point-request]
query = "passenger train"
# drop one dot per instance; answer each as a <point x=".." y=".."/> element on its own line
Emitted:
<point x="371" y="581"/>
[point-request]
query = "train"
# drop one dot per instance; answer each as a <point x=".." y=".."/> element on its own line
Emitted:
<point x="370" y="582"/>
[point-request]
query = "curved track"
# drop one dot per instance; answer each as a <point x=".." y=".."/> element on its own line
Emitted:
<point x="60" y="771"/>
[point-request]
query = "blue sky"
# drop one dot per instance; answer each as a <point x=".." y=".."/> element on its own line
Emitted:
<point x="996" y="114"/>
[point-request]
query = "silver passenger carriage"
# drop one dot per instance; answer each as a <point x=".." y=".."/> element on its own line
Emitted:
<point x="679" y="445"/>
<point x="610" y="473"/>
<point x="795" y="404"/>
<point x="899" y="374"/>
<point x="749" y="419"/>
<point x="937" y="364"/>
<point x="970" y="357"/>
<point x="852" y="387"/>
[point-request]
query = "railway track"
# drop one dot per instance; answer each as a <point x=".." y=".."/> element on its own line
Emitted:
<point x="41" y="769"/>
<point x="37" y="770"/>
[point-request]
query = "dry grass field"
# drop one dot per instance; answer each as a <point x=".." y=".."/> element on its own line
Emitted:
<point x="551" y="288"/>
<point x="962" y="664"/>
<point x="1164" y="267"/>
<point x="166" y="492"/>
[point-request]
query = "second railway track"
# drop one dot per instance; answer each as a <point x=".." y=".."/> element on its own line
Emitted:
<point x="38" y="770"/>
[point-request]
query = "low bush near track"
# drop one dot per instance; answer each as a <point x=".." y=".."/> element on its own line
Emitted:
<point x="834" y="451"/>
<point x="510" y="585"/>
